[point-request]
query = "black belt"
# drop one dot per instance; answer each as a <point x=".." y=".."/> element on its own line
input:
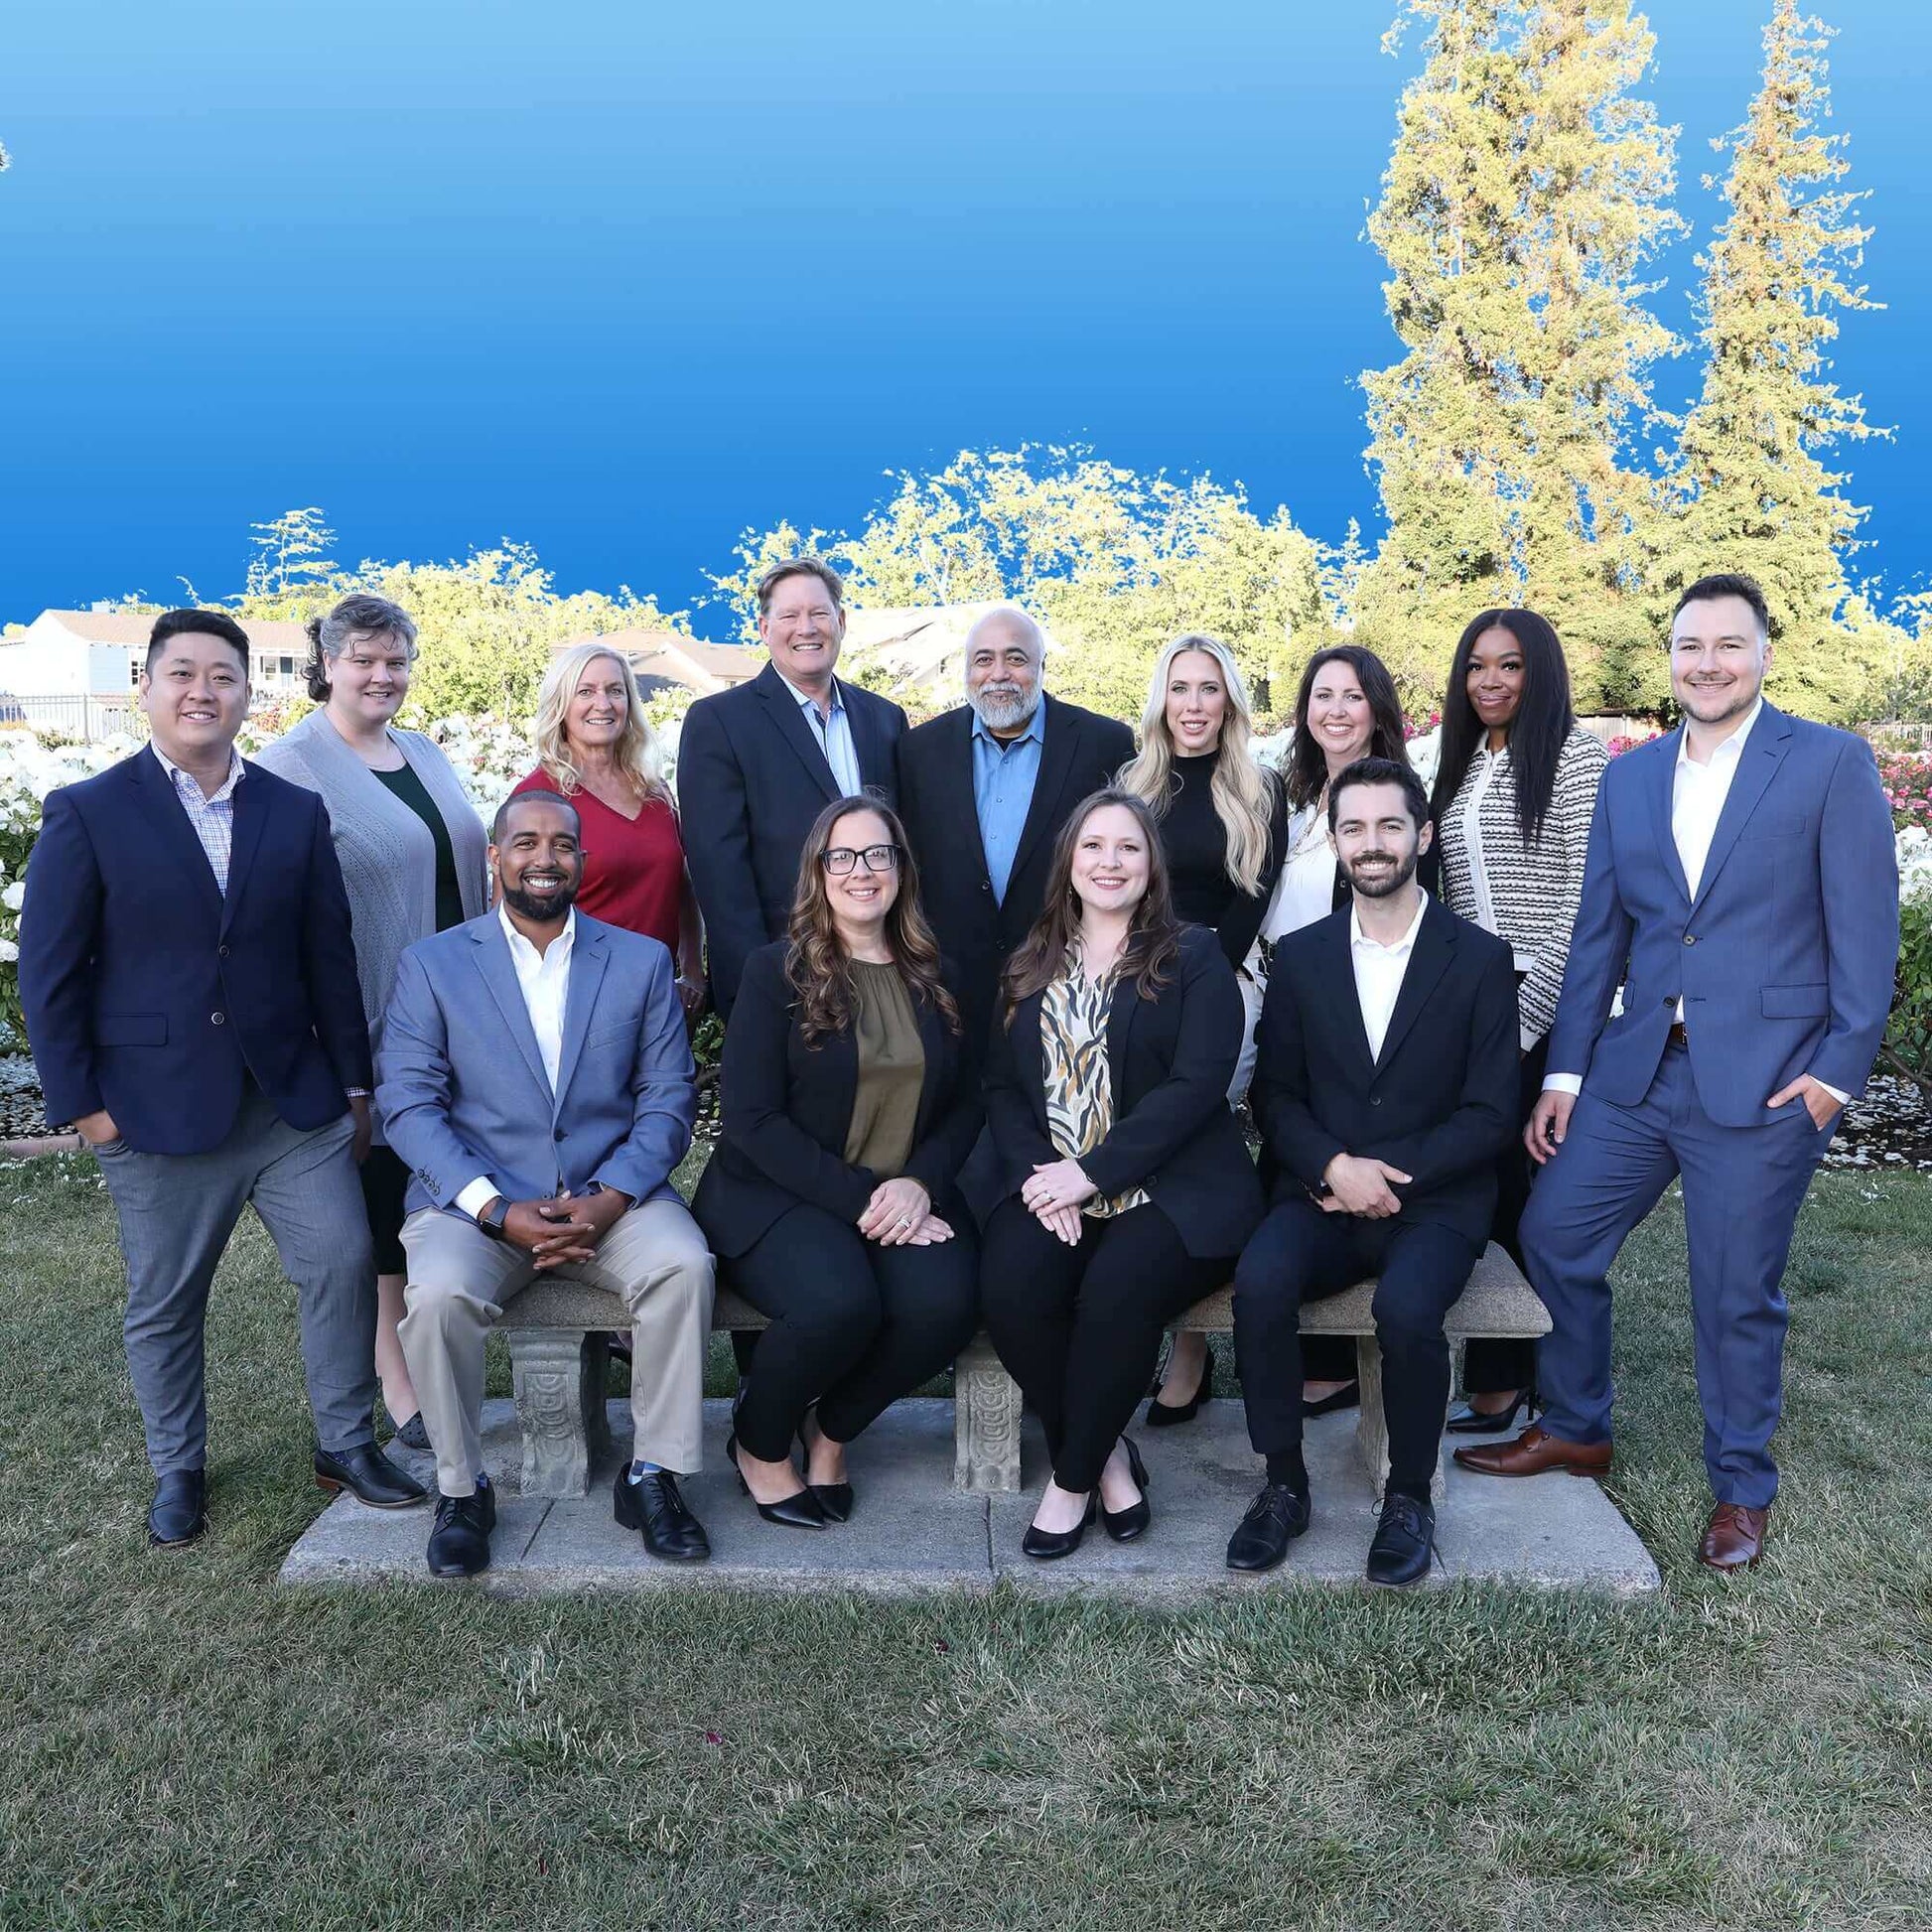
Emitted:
<point x="1678" y="1037"/>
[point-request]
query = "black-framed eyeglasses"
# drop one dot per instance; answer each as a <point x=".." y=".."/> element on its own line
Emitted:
<point x="840" y="858"/>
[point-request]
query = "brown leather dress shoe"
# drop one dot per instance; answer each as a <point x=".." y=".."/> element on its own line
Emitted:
<point x="1734" y="1539"/>
<point x="1533" y="1451"/>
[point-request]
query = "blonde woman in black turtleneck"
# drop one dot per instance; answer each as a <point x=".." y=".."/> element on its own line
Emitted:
<point x="1223" y="822"/>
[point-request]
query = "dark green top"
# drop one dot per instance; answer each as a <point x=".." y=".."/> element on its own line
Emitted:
<point x="405" y="784"/>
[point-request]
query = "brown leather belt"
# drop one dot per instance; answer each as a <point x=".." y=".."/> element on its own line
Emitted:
<point x="1678" y="1037"/>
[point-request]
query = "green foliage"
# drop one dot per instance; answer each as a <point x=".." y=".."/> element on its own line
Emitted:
<point x="291" y="565"/>
<point x="1908" y="1036"/>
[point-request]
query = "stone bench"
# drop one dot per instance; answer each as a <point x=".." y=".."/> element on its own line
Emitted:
<point x="558" y="1330"/>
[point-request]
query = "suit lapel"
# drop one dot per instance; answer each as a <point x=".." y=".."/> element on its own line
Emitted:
<point x="1059" y="740"/>
<point x="1428" y="960"/>
<point x="868" y="740"/>
<point x="166" y="813"/>
<point x="251" y="800"/>
<point x="959" y="803"/>
<point x="938" y="1043"/>
<point x="500" y="975"/>
<point x="792" y="727"/>
<point x="1339" y="976"/>
<point x="1662" y="786"/>
<point x="589" y="955"/>
<point x="1757" y="766"/>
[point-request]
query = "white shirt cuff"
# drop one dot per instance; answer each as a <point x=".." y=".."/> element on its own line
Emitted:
<point x="1570" y="1083"/>
<point x="477" y="1196"/>
<point x="1842" y="1099"/>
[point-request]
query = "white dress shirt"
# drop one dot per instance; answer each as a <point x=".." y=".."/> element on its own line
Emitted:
<point x="833" y="733"/>
<point x="544" y="978"/>
<point x="1306" y="891"/>
<point x="1379" y="972"/>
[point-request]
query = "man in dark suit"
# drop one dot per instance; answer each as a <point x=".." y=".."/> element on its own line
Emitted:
<point x="191" y="996"/>
<point x="756" y="764"/>
<point x="984" y="790"/>
<point x="1742" y="888"/>
<point x="1385" y="1087"/>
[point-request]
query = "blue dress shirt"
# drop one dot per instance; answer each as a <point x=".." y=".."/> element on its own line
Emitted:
<point x="1004" y="777"/>
<point x="833" y="735"/>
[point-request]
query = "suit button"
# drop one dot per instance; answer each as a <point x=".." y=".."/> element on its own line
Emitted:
<point x="557" y="1134"/>
<point x="221" y="952"/>
<point x="1668" y="1000"/>
<point x="1375" y="1100"/>
<point x="218" y="1019"/>
<point x="1690" y="938"/>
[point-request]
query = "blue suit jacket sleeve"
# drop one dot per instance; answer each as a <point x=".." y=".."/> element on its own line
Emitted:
<point x="412" y="1096"/>
<point x="60" y="927"/>
<point x="1859" y="884"/>
<point x="329" y="962"/>
<point x="717" y="827"/>
<point x="663" y="1093"/>
<point x="1599" y="949"/>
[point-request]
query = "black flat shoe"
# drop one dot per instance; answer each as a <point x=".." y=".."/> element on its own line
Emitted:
<point x="1469" y="1421"/>
<point x="1404" y="1541"/>
<point x="800" y="1511"/>
<point x="1274" y="1519"/>
<point x="651" y="1503"/>
<point x="1162" y="1415"/>
<point x="1126" y="1524"/>
<point x="369" y="1476"/>
<point x="459" y="1540"/>
<point x="179" y="1512"/>
<point x="1049" y="1544"/>
<point x="1348" y="1396"/>
<point x="412" y="1435"/>
<point x="835" y="1499"/>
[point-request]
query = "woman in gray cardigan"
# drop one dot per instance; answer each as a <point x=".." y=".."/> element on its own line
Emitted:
<point x="413" y="854"/>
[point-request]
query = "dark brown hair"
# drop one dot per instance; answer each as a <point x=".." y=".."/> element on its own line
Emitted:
<point x="1308" y="764"/>
<point x="816" y="964"/>
<point x="357" y="615"/>
<point x="801" y="567"/>
<point x="1725" y="583"/>
<point x="1153" y="939"/>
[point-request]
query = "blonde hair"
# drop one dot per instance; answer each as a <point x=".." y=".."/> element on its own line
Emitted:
<point x="1244" y="789"/>
<point x="636" y="753"/>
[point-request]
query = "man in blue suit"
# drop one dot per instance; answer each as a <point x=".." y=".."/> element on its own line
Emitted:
<point x="190" y="989"/>
<point x="1743" y="891"/>
<point x="536" y="1078"/>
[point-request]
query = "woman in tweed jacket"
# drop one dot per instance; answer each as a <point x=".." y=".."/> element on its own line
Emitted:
<point x="1515" y="788"/>
<point x="414" y="859"/>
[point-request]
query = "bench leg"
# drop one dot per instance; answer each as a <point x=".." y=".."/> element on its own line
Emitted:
<point x="986" y="1423"/>
<point x="557" y="1376"/>
<point x="1372" y="1429"/>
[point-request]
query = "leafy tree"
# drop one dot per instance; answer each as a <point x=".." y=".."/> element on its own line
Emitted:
<point x="290" y="564"/>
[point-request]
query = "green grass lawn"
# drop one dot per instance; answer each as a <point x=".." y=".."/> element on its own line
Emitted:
<point x="184" y="1744"/>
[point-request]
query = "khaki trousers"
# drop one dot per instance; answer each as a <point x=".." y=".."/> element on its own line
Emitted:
<point x="656" y="1257"/>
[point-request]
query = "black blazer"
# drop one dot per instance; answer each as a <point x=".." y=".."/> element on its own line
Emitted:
<point x="1080" y="753"/>
<point x="788" y="1106"/>
<point x="1171" y="1059"/>
<point x="1441" y="1103"/>
<point x="751" y="778"/>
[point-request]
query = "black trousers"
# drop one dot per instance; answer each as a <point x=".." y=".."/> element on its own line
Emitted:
<point x="1079" y="1328"/>
<point x="1491" y="1365"/>
<point x="1299" y="1254"/>
<point x="854" y="1326"/>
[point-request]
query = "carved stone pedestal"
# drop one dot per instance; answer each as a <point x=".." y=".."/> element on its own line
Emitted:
<point x="1372" y="1431"/>
<point x="986" y="1423"/>
<point x="557" y="1376"/>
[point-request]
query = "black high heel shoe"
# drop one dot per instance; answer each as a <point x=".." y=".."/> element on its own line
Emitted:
<point x="801" y="1511"/>
<point x="1163" y="1414"/>
<point x="1049" y="1544"/>
<point x="1348" y="1396"/>
<point x="1469" y="1421"/>
<point x="1125" y="1525"/>
<point x="835" y="1499"/>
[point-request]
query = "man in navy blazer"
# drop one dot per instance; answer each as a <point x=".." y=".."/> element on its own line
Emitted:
<point x="190" y="989"/>
<point x="756" y="764"/>
<point x="1742" y="888"/>
<point x="536" y="1078"/>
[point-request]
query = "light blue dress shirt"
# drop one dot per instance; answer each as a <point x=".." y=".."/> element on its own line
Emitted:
<point x="834" y="736"/>
<point x="1004" y="777"/>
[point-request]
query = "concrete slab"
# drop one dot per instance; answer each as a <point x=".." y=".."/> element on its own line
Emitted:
<point x="912" y="1530"/>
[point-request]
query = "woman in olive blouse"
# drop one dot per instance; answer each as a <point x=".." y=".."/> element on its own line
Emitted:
<point x="850" y="1101"/>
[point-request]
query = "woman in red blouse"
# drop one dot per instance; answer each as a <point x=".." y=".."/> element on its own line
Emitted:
<point x="596" y="748"/>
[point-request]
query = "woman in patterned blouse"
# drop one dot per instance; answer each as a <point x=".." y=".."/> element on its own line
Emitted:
<point x="1128" y="1189"/>
<point x="1515" y="788"/>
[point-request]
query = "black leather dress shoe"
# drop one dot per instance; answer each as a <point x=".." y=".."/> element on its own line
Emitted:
<point x="651" y="1503"/>
<point x="369" y="1476"/>
<point x="1274" y="1519"/>
<point x="1049" y="1544"/>
<point x="1471" y="1421"/>
<point x="458" y="1542"/>
<point x="1404" y="1538"/>
<point x="835" y="1499"/>
<point x="1125" y="1525"/>
<point x="801" y="1510"/>
<point x="1163" y="1414"/>
<point x="179" y="1513"/>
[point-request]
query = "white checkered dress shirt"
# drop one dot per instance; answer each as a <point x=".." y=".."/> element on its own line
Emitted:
<point x="211" y="818"/>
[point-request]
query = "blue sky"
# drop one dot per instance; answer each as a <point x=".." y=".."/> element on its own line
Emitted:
<point x="620" y="279"/>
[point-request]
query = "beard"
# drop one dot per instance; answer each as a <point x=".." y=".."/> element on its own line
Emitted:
<point x="542" y="910"/>
<point x="1382" y="885"/>
<point x="1004" y="707"/>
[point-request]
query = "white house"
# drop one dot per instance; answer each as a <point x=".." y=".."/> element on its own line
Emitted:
<point x="99" y="654"/>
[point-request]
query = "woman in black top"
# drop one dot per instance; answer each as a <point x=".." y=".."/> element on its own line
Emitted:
<point x="850" y="1101"/>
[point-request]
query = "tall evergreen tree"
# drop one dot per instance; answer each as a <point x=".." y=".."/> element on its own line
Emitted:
<point x="1750" y="485"/>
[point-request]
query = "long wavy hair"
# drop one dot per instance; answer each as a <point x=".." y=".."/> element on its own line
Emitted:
<point x="1543" y="718"/>
<point x="637" y="754"/>
<point x="1243" y="790"/>
<point x="1153" y="938"/>
<point x="1308" y="764"/>
<point x="817" y="965"/>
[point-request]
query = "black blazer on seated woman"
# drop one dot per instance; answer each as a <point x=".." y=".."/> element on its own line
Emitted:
<point x="1171" y="1059"/>
<point x="787" y="1108"/>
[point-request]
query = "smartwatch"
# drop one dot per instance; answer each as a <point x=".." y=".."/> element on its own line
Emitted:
<point x="491" y="1215"/>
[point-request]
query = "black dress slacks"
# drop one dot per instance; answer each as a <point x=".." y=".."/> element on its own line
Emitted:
<point x="1493" y="1363"/>
<point x="1079" y="1328"/>
<point x="1299" y="1254"/>
<point x="853" y="1325"/>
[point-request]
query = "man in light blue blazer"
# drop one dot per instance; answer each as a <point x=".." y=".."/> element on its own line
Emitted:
<point x="535" y="1077"/>
<point x="1742" y="888"/>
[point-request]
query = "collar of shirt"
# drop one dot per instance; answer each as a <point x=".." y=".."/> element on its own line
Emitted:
<point x="525" y="955"/>
<point x="1036" y="729"/>
<point x="805" y="700"/>
<point x="1733" y="747"/>
<point x="177" y="777"/>
<point x="1360" y="938"/>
